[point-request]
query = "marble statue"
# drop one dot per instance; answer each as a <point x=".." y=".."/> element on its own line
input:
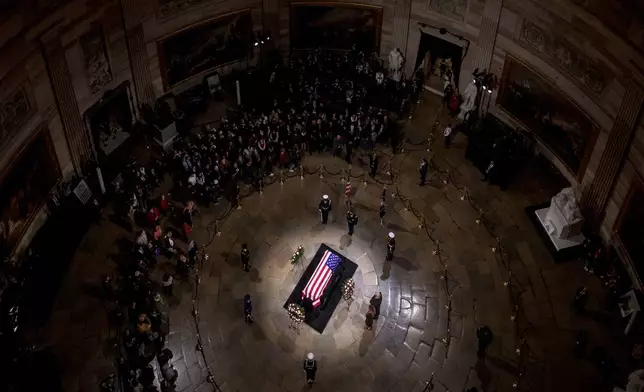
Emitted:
<point x="469" y="100"/>
<point x="396" y="63"/>
<point x="564" y="214"/>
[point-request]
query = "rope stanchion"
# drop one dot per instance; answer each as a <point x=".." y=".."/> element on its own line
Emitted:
<point x="364" y="179"/>
<point x="301" y="172"/>
<point x="281" y="176"/>
<point x="422" y="220"/>
<point x="321" y="171"/>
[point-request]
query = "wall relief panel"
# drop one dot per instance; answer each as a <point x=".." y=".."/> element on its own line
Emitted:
<point x="15" y="110"/>
<point x="95" y="59"/>
<point x="455" y="9"/>
<point x="588" y="74"/>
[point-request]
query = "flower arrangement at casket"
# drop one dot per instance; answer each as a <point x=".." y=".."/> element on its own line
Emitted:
<point x="297" y="255"/>
<point x="348" y="287"/>
<point x="296" y="313"/>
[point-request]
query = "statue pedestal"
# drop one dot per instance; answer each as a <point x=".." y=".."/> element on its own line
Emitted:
<point x="553" y="230"/>
<point x="165" y="137"/>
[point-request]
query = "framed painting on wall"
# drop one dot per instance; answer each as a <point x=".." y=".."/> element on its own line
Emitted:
<point x="629" y="236"/>
<point x="25" y="185"/>
<point x="335" y="26"/>
<point x="199" y="48"/>
<point x="549" y="113"/>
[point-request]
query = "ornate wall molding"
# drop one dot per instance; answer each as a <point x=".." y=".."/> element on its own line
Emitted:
<point x="454" y="9"/>
<point x="589" y="74"/>
<point x="15" y="111"/>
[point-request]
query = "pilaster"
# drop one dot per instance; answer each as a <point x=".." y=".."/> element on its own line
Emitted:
<point x="487" y="34"/>
<point x="402" y="11"/>
<point x="594" y="201"/>
<point x="78" y="141"/>
<point x="132" y="21"/>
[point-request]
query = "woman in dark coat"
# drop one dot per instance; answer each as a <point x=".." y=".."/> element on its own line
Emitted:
<point x="376" y="301"/>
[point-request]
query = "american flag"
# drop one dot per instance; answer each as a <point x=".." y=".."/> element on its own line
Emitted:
<point x="321" y="277"/>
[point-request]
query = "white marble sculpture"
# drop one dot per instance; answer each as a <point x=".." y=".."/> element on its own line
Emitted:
<point x="564" y="214"/>
<point x="396" y="62"/>
<point x="469" y="100"/>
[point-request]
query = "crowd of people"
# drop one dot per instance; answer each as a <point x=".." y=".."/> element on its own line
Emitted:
<point x="320" y="102"/>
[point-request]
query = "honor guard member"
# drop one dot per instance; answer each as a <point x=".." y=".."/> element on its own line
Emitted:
<point x="373" y="165"/>
<point x="352" y="220"/>
<point x="423" y="170"/>
<point x="245" y="257"/>
<point x="325" y="208"/>
<point x="391" y="246"/>
<point x="310" y="367"/>
<point x="383" y="210"/>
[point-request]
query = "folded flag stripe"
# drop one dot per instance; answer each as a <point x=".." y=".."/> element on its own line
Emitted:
<point x="321" y="277"/>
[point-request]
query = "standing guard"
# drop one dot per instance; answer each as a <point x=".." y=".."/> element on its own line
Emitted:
<point x="373" y="165"/>
<point x="310" y="367"/>
<point x="352" y="220"/>
<point x="391" y="246"/>
<point x="245" y="257"/>
<point x="325" y="208"/>
<point x="383" y="210"/>
<point x="423" y="170"/>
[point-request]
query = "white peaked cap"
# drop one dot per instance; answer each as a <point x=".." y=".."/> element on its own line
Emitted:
<point x="325" y="197"/>
<point x="391" y="235"/>
<point x="310" y="356"/>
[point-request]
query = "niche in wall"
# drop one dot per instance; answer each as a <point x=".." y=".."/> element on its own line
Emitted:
<point x="110" y="119"/>
<point x="437" y="55"/>
<point x="202" y="47"/>
<point x="25" y="185"/>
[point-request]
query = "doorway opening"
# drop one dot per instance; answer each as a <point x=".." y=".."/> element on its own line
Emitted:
<point x="440" y="60"/>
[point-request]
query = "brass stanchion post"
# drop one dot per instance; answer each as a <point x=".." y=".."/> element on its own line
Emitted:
<point x="301" y="172"/>
<point x="321" y="171"/>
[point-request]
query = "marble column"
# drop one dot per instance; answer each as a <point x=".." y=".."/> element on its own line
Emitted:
<point x="402" y="11"/>
<point x="137" y="51"/>
<point x="594" y="201"/>
<point x="487" y="34"/>
<point x="78" y="141"/>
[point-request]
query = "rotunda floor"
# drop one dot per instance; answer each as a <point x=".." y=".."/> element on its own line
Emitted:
<point x="444" y="281"/>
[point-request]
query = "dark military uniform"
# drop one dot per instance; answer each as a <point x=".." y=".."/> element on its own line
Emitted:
<point x="245" y="258"/>
<point x="391" y="247"/>
<point x="373" y="165"/>
<point x="325" y="208"/>
<point x="352" y="220"/>
<point x="423" y="171"/>
<point x="310" y="367"/>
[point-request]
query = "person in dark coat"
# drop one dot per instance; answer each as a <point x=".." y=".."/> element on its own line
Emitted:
<point x="373" y="165"/>
<point x="423" y="170"/>
<point x="485" y="337"/>
<point x="310" y="367"/>
<point x="325" y="208"/>
<point x="368" y="321"/>
<point x="352" y="220"/>
<point x="376" y="301"/>
<point x="187" y="219"/>
<point x="245" y="257"/>
<point x="391" y="246"/>
<point x="248" y="309"/>
<point x="383" y="211"/>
